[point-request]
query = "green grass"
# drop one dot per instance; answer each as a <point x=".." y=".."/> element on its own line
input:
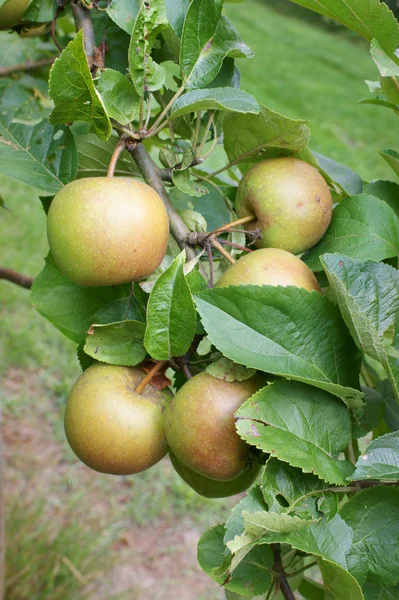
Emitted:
<point x="298" y="70"/>
<point x="310" y="73"/>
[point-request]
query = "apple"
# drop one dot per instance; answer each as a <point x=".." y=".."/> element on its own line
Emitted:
<point x="107" y="231"/>
<point x="270" y="266"/>
<point x="111" y="428"/>
<point x="200" y="426"/>
<point x="11" y="13"/>
<point x="290" y="201"/>
<point x="209" y="488"/>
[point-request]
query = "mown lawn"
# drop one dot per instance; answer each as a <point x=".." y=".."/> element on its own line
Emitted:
<point x="309" y="73"/>
<point x="298" y="70"/>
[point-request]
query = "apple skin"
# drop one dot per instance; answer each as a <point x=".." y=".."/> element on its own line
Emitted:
<point x="291" y="201"/>
<point x="209" y="488"/>
<point x="107" y="231"/>
<point x="270" y="266"/>
<point x="11" y="13"/>
<point x="200" y="426"/>
<point x="110" y="427"/>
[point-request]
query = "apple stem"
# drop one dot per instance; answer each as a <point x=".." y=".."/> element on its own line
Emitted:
<point x="211" y="270"/>
<point x="233" y="245"/>
<point x="119" y="148"/>
<point x="242" y="221"/>
<point x="144" y="382"/>
<point x="218" y="246"/>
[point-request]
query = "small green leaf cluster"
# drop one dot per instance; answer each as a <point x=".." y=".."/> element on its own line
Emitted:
<point x="277" y="377"/>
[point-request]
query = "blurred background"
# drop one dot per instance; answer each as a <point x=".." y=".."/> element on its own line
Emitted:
<point x="75" y="534"/>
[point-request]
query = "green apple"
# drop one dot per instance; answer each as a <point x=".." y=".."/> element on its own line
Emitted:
<point x="111" y="428"/>
<point x="11" y="13"/>
<point x="270" y="266"/>
<point x="209" y="488"/>
<point x="107" y="231"/>
<point x="200" y="426"/>
<point x="290" y="201"/>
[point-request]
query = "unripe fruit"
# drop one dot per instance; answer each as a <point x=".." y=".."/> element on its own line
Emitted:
<point x="111" y="428"/>
<point x="107" y="231"/>
<point x="11" y="13"/>
<point x="200" y="426"/>
<point x="290" y="200"/>
<point x="209" y="488"/>
<point x="270" y="266"/>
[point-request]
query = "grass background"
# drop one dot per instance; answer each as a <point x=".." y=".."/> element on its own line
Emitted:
<point x="300" y="70"/>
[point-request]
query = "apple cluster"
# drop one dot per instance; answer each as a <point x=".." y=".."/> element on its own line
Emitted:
<point x="106" y="231"/>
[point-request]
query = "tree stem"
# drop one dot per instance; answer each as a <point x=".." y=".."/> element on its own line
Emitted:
<point x="235" y="223"/>
<point x="144" y="382"/>
<point x="205" y="136"/>
<point x="218" y="246"/>
<point x="279" y="569"/>
<point x="166" y="109"/>
<point x="83" y="21"/>
<point x="152" y="175"/>
<point x="17" y="278"/>
<point x="30" y="65"/>
<point x="119" y="148"/>
<point x="233" y="245"/>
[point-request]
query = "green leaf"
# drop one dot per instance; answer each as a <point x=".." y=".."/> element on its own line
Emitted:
<point x="199" y="28"/>
<point x="194" y="220"/>
<point x="95" y="155"/>
<point x="368" y="417"/>
<point x="201" y="62"/>
<point x="253" y="502"/>
<point x="349" y="181"/>
<point x="211" y="551"/>
<point x="251" y="577"/>
<point x="42" y="156"/>
<point x="392" y="158"/>
<point x="338" y="582"/>
<point x="146" y="74"/>
<point x="368" y="296"/>
<point x="330" y="540"/>
<point x="72" y="90"/>
<point x="362" y="227"/>
<point x="117" y="343"/>
<point x="371" y="19"/>
<point x="121" y="309"/>
<point x="373" y="515"/>
<point x="387" y="393"/>
<point x="301" y="425"/>
<point x="186" y="185"/>
<point x="311" y="590"/>
<point x="176" y="11"/>
<point x="68" y="306"/>
<point x="119" y="96"/>
<point x="380" y="460"/>
<point x="286" y="331"/>
<point x="386" y="66"/>
<point x="223" y="99"/>
<point x="286" y="488"/>
<point x="170" y="314"/>
<point x="227" y="370"/>
<point x="255" y="137"/>
<point x="261" y="523"/>
<point x="124" y="13"/>
<point x="40" y="11"/>
<point x="211" y="206"/>
<point x="372" y="591"/>
<point x="385" y="190"/>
